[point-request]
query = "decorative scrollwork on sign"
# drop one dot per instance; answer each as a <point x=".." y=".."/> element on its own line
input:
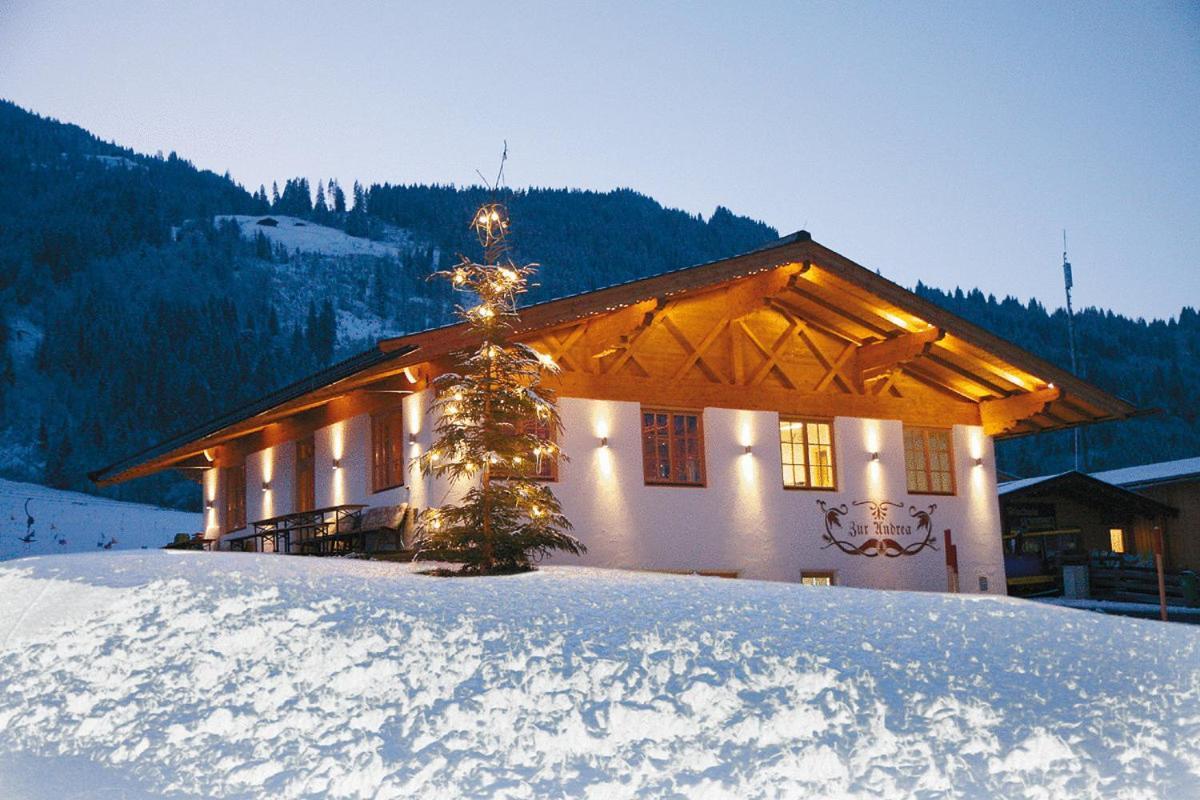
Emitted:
<point x="878" y="508"/>
<point x="880" y="534"/>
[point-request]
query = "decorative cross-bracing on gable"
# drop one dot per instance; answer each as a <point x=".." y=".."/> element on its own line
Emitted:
<point x="792" y="327"/>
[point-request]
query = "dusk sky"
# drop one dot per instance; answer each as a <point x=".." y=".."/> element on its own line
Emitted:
<point x="948" y="143"/>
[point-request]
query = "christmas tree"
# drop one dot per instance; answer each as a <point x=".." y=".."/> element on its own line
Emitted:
<point x="496" y="427"/>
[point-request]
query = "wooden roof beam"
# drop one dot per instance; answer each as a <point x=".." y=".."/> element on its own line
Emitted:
<point x="879" y="358"/>
<point x="1004" y="415"/>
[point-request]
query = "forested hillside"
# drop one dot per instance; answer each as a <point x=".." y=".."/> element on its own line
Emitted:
<point x="131" y="308"/>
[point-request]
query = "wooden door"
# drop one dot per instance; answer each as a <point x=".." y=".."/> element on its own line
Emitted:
<point x="306" y="475"/>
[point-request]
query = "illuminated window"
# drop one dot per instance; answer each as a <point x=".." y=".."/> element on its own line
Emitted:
<point x="387" y="450"/>
<point x="544" y="465"/>
<point x="235" y="498"/>
<point x="673" y="447"/>
<point x="1116" y="540"/>
<point x="806" y="447"/>
<point x="928" y="462"/>
<point x="817" y="578"/>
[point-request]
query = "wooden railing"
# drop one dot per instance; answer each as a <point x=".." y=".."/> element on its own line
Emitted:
<point x="1140" y="585"/>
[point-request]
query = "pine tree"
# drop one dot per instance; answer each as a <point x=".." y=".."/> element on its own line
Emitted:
<point x="320" y="209"/>
<point x="339" y="197"/>
<point x="495" y="424"/>
<point x="274" y="195"/>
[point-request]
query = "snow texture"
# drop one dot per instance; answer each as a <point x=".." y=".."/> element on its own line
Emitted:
<point x="308" y="237"/>
<point x="36" y="520"/>
<point x="242" y="675"/>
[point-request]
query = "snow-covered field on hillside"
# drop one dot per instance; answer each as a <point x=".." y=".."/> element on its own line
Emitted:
<point x="36" y="520"/>
<point x="242" y="675"/>
<point x="308" y="237"/>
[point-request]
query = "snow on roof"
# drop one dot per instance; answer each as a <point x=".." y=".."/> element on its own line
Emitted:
<point x="1012" y="486"/>
<point x="1125" y="477"/>
<point x="1147" y="474"/>
<point x="231" y="674"/>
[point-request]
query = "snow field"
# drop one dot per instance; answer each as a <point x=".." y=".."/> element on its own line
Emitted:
<point x="242" y="675"/>
<point x="73" y="522"/>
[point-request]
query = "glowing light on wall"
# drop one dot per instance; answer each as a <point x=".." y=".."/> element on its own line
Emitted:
<point x="266" y="460"/>
<point x="210" y="502"/>
<point x="873" y="444"/>
<point x="337" y="446"/>
<point x="601" y="427"/>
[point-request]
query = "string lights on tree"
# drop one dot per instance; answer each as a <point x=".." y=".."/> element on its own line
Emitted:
<point x="495" y="423"/>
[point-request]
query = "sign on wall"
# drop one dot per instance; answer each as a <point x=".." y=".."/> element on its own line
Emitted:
<point x="870" y="528"/>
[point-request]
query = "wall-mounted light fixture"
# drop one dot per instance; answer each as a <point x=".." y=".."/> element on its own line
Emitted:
<point x="412" y="438"/>
<point x="748" y="449"/>
<point x="978" y="462"/>
<point x="604" y="441"/>
<point x="266" y="486"/>
<point x="210" y="505"/>
<point x="874" y="455"/>
<point x="337" y="463"/>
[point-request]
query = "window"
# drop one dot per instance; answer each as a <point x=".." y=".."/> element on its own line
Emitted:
<point x="807" y="450"/>
<point x="235" y="498"/>
<point x="673" y="447"/>
<point x="306" y="475"/>
<point x="927" y="461"/>
<point x="545" y="465"/>
<point x="387" y="450"/>
<point x="1116" y="540"/>
<point x="820" y="578"/>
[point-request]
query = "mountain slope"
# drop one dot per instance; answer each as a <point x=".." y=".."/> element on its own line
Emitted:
<point x="139" y="295"/>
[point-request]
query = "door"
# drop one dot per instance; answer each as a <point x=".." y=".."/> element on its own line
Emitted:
<point x="306" y="475"/>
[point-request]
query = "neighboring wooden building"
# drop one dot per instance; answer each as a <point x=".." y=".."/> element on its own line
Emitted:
<point x="1175" y="484"/>
<point x="1069" y="519"/>
<point x="785" y="414"/>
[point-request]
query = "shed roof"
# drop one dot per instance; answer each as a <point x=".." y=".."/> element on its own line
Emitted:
<point x="1086" y="489"/>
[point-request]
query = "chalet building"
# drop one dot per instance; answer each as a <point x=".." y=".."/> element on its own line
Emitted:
<point x="785" y="414"/>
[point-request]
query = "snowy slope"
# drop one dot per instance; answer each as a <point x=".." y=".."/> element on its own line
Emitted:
<point x="242" y="675"/>
<point x="308" y="237"/>
<point x="71" y="522"/>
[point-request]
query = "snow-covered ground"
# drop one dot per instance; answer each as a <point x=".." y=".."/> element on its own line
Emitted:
<point x="242" y="675"/>
<point x="308" y="237"/>
<point x="36" y="520"/>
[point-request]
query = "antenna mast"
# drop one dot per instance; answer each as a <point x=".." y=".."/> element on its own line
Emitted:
<point x="1068" y="282"/>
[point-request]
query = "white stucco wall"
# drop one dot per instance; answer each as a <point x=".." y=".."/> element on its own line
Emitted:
<point x="743" y="521"/>
<point x="746" y="522"/>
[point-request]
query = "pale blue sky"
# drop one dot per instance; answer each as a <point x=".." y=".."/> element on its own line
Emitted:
<point x="945" y="142"/>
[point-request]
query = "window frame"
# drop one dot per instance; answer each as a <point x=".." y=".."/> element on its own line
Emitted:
<point x="808" y="487"/>
<point x="234" y="485"/>
<point x="393" y="461"/>
<point x="551" y="436"/>
<point x="926" y="453"/>
<point x="1121" y="537"/>
<point x="671" y="414"/>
